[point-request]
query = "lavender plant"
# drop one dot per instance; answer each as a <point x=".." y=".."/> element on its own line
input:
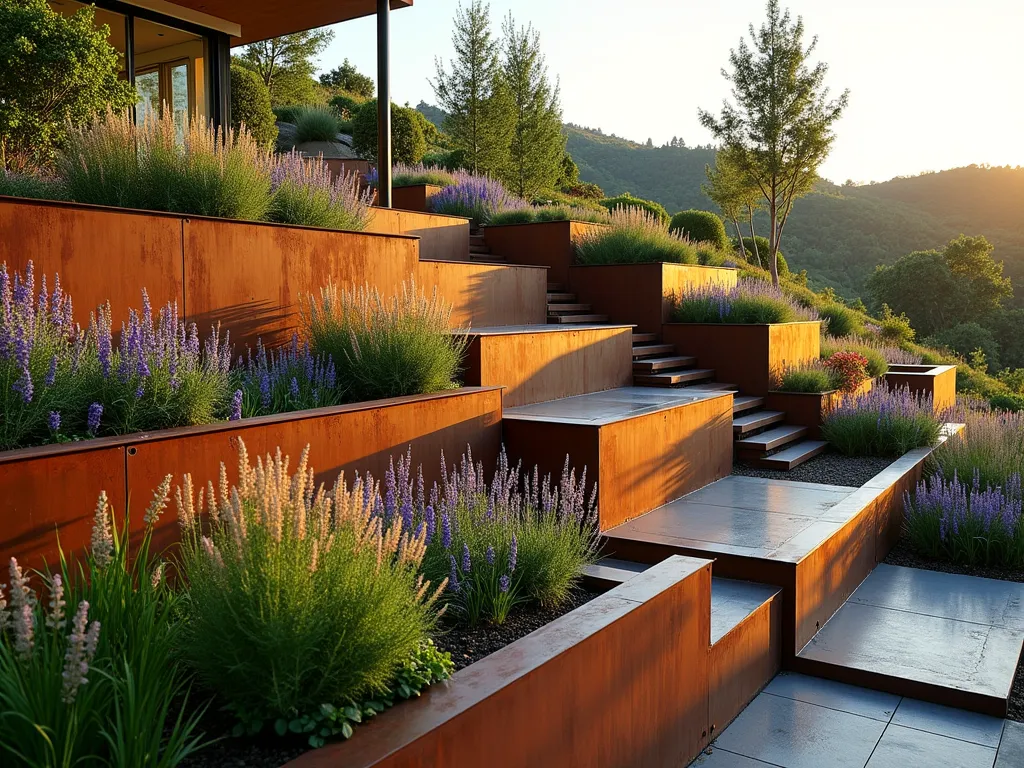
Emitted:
<point x="634" y="237"/>
<point x="751" y="301"/>
<point x="382" y="349"/>
<point x="287" y="379"/>
<point x="517" y="539"/>
<point x="541" y="213"/>
<point x="991" y="446"/>
<point x="42" y="353"/>
<point x="299" y="597"/>
<point x="157" y="376"/>
<point x="882" y="423"/>
<point x="403" y="175"/>
<point x="90" y="677"/>
<point x="305" y="194"/>
<point x="476" y="198"/>
<point x="974" y="524"/>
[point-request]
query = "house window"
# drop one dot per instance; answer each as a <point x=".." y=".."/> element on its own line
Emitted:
<point x="166" y="86"/>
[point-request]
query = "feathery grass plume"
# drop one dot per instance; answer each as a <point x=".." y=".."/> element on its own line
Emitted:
<point x="882" y="423"/>
<point x="970" y="523"/>
<point x="305" y="193"/>
<point x="991" y="446"/>
<point x="404" y="175"/>
<point x="634" y="237"/>
<point x="385" y="348"/>
<point x="315" y="123"/>
<point x="543" y="213"/>
<point x="750" y="301"/>
<point x="320" y="601"/>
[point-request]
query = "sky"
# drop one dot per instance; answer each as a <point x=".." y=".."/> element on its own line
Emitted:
<point x="934" y="84"/>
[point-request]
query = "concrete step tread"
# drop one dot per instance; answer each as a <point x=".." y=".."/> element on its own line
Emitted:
<point x="773" y="438"/>
<point x="652" y="364"/>
<point x="652" y="350"/>
<point x="644" y="338"/>
<point x="794" y="455"/>
<point x="557" y="297"/>
<point x="569" y="319"/>
<point x="748" y="422"/>
<point x="560" y="308"/>
<point x="744" y="403"/>
<point x="673" y="378"/>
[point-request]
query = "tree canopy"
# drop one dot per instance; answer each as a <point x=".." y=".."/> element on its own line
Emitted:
<point x="346" y="78"/>
<point x="286" y="65"/>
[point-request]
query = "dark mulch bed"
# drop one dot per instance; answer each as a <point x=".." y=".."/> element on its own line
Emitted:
<point x="829" y="468"/>
<point x="466" y="645"/>
<point x="470" y="644"/>
<point x="902" y="554"/>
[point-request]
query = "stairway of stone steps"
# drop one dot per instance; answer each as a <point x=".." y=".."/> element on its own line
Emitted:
<point x="762" y="436"/>
<point x="564" y="309"/>
<point x="478" y="250"/>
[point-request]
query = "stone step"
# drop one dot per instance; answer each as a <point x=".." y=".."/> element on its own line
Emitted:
<point x="793" y="455"/>
<point x="656" y="364"/>
<point x="570" y="319"/>
<point x="487" y="258"/>
<point x="556" y="287"/>
<point x="744" y="403"/>
<point x="716" y="386"/>
<point x="652" y="350"/>
<point x="609" y="572"/>
<point x="751" y="422"/>
<point x="644" y="338"/>
<point x="569" y="309"/>
<point x="771" y="440"/>
<point x="674" y="378"/>
<point x="554" y="298"/>
<point x="478" y="240"/>
<point x="478" y="248"/>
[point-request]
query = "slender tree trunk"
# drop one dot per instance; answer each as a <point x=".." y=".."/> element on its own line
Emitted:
<point x="773" y="244"/>
<point x="739" y="238"/>
<point x="753" y="237"/>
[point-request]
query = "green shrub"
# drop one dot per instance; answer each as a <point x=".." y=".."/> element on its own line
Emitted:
<point x="882" y="423"/>
<point x="966" y="338"/>
<point x="303" y="606"/>
<point x="455" y="160"/>
<point x="543" y="213"/>
<point x="814" y="378"/>
<point x="403" y="175"/>
<point x="895" y="328"/>
<point x="1012" y="403"/>
<point x="628" y="201"/>
<point x="635" y="237"/>
<point x="516" y="216"/>
<point x="90" y="677"/>
<point x="316" y="124"/>
<point x="306" y="194"/>
<point x="584" y="189"/>
<point x="59" y="71"/>
<point x="290" y="113"/>
<point x="250" y="106"/>
<point x="408" y="144"/>
<point x="763" y="249"/>
<point x="842" y="321"/>
<point x="701" y="226"/>
<point x="347" y="102"/>
<point x="750" y="302"/>
<point x="383" y="349"/>
<point x="878" y="363"/>
<point x="31" y="185"/>
<point x="709" y="256"/>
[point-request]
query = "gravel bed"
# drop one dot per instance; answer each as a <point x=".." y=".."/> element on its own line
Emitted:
<point x="902" y="554"/>
<point x="470" y="644"/>
<point x="829" y="468"/>
<point x="466" y="645"/>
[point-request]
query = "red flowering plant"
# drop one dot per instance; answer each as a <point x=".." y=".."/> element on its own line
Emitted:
<point x="850" y="369"/>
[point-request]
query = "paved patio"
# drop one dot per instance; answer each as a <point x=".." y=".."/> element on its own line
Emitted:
<point x="806" y="722"/>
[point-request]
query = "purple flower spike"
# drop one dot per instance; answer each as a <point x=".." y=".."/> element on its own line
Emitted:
<point x="504" y="583"/>
<point x="453" y="575"/>
<point x="54" y="421"/>
<point x="466" y="564"/>
<point x="236" y="406"/>
<point x="446" y="531"/>
<point x="490" y="555"/>
<point x="513" y="554"/>
<point x="93" y="420"/>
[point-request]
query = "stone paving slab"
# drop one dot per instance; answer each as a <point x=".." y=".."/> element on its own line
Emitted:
<point x="902" y="747"/>
<point x="833" y="695"/>
<point x="1011" y="748"/>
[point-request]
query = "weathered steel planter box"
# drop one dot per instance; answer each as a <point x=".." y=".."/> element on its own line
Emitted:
<point x="53" y="489"/>
<point x="620" y="682"/>
<point x="642" y="293"/>
<point x="444" y="238"/>
<point x="746" y="355"/>
<point x="809" y="409"/>
<point x="415" y="197"/>
<point x="936" y="381"/>
<point x="487" y="294"/>
<point x="546" y="244"/>
<point x="248" y="276"/>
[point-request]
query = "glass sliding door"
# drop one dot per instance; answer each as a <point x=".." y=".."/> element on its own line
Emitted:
<point x="169" y="73"/>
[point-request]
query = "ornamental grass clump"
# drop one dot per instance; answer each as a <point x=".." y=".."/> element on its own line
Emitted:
<point x="751" y="301"/>
<point x="304" y="193"/>
<point x="385" y="348"/>
<point x="991" y="446"/>
<point x="299" y="598"/>
<point x="634" y="237"/>
<point x="403" y="175"/>
<point x="291" y="378"/>
<point x="157" y="375"/>
<point x="475" y="197"/>
<point x="882" y="423"/>
<point x="313" y="123"/>
<point x="972" y="524"/>
<point x="814" y="377"/>
<point x="518" y="539"/>
<point x="88" y="674"/>
<point x="879" y="355"/>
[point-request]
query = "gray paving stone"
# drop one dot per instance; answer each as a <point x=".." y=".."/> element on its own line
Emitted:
<point x="719" y="758"/>
<point x="732" y="601"/>
<point x="1011" y="748"/>
<point x="907" y="748"/>
<point x="828" y="693"/>
<point x="950" y="595"/>
<point x="946" y="721"/>
<point x="794" y="734"/>
<point x="769" y="496"/>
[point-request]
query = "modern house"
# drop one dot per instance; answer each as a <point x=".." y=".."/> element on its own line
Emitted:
<point x="179" y="54"/>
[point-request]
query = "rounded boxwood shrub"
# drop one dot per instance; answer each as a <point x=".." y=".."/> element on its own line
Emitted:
<point x="408" y="144"/>
<point x="842" y="321"/>
<point x="347" y="101"/>
<point x="250" y="105"/>
<point x="626" y="200"/>
<point x="701" y="226"/>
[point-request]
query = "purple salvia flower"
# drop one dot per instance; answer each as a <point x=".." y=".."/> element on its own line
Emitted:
<point x="446" y="531"/>
<point x="453" y="575"/>
<point x="93" y="420"/>
<point x="513" y="554"/>
<point x="51" y="374"/>
<point x="466" y="564"/>
<point x="431" y="521"/>
<point x="504" y="583"/>
<point x="236" y="406"/>
<point x="54" y="421"/>
<point x="489" y="555"/>
<point x="293" y="388"/>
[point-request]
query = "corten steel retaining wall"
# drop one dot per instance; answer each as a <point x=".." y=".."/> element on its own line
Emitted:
<point x="415" y="197"/>
<point x="621" y="682"/>
<point x="746" y="355"/>
<point x="546" y="244"/>
<point x="487" y="294"/>
<point x="642" y="293"/>
<point x="442" y="238"/>
<point x="54" y="488"/>
<point x="938" y="381"/>
<point x="248" y="276"/>
<point x="548" y="365"/>
<point x="809" y="409"/>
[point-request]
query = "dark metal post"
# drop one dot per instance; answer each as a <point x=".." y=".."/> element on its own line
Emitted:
<point x="219" y="54"/>
<point x="383" y="104"/>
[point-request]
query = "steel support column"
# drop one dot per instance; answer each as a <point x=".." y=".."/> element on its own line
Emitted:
<point x="383" y="103"/>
